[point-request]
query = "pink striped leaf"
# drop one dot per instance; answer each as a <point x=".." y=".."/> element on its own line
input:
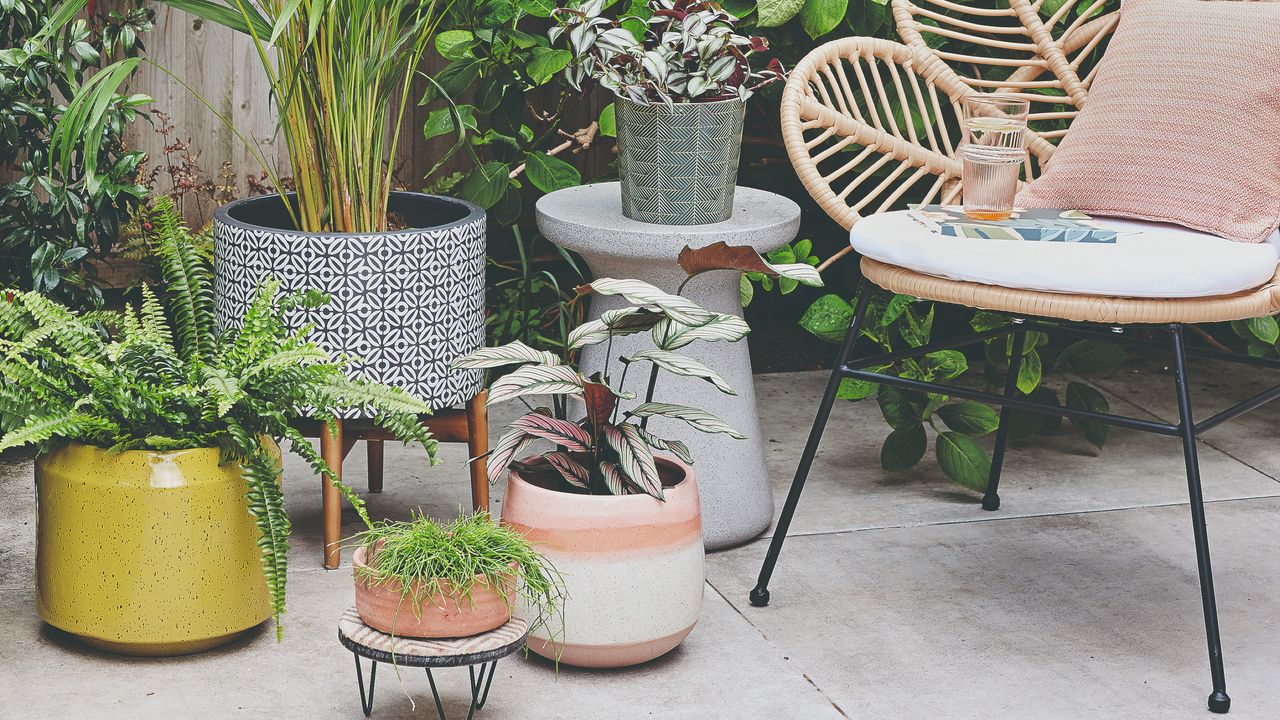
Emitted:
<point x="612" y="476"/>
<point x="635" y="459"/>
<point x="570" y="469"/>
<point x="536" y="380"/>
<point x="508" y="447"/>
<point x="560" y="432"/>
<point x="675" y="447"/>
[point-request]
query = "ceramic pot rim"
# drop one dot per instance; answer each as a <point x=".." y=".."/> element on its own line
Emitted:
<point x="679" y="488"/>
<point x="474" y="214"/>
<point x="168" y="454"/>
<point x="682" y="104"/>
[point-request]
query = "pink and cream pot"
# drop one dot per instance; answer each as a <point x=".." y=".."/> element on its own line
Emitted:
<point x="632" y="567"/>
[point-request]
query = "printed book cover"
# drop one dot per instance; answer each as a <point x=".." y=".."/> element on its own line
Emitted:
<point x="1031" y="224"/>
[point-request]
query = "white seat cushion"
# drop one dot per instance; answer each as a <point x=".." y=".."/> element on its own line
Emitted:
<point x="1151" y="260"/>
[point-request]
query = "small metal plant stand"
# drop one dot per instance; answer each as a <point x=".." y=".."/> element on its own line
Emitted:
<point x="485" y="650"/>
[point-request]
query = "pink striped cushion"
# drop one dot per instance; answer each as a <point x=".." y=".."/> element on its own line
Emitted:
<point x="1182" y="124"/>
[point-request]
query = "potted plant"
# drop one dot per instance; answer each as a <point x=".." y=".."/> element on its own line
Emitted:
<point x="613" y="506"/>
<point x="404" y="271"/>
<point x="421" y="578"/>
<point x="682" y="77"/>
<point x="161" y="526"/>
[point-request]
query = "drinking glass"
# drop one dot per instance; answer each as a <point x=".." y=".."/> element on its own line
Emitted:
<point x="993" y="150"/>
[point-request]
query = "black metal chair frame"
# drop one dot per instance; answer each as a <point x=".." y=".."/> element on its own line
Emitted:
<point x="1186" y="429"/>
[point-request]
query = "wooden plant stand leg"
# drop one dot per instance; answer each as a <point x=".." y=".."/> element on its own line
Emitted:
<point x="375" y="465"/>
<point x="332" y="450"/>
<point x="478" y="444"/>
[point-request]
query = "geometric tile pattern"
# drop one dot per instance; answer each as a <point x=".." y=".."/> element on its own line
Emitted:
<point x="403" y="304"/>
<point x="678" y="164"/>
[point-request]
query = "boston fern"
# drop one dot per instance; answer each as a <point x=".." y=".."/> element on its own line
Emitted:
<point x="160" y="377"/>
<point x="609" y="452"/>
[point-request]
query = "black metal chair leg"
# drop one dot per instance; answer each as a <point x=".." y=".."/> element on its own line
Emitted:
<point x="760" y="594"/>
<point x="991" y="500"/>
<point x="1219" y="702"/>
<point x="366" y="700"/>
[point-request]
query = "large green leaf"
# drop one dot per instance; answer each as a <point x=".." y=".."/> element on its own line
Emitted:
<point x="441" y="121"/>
<point x="455" y="44"/>
<point x="1029" y="373"/>
<point x="549" y="173"/>
<point x="232" y="15"/>
<point x="901" y="408"/>
<point x="772" y="13"/>
<point x="1090" y="357"/>
<point x="963" y="460"/>
<point x="609" y="121"/>
<point x="969" y="418"/>
<point x="819" y="17"/>
<point x="486" y="185"/>
<point x="828" y="318"/>
<point x="546" y="63"/>
<point x="1083" y="397"/>
<point x="904" y="447"/>
<point x="1265" y="329"/>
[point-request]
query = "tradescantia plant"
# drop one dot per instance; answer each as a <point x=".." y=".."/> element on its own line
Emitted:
<point x="608" y="452"/>
<point x="160" y="377"/>
<point x="666" y="51"/>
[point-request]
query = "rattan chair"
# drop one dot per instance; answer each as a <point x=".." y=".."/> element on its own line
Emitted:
<point x="870" y="123"/>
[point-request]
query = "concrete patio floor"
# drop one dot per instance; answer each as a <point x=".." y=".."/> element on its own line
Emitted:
<point x="895" y="597"/>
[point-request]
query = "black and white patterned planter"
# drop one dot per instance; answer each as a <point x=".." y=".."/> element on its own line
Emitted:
<point x="404" y="303"/>
<point x="678" y="163"/>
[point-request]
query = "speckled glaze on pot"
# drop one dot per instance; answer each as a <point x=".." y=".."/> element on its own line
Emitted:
<point x="449" y="614"/>
<point x="632" y="567"/>
<point x="146" y="553"/>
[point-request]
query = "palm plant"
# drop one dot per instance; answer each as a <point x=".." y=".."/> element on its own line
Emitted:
<point x="161" y="377"/>
<point x="340" y="73"/>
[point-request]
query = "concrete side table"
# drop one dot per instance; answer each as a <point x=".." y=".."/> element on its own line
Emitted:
<point x="737" y="499"/>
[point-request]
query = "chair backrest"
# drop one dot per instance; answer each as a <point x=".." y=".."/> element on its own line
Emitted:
<point x="869" y="123"/>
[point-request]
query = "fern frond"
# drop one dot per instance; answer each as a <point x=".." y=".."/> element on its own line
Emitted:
<point x="154" y="326"/>
<point x="70" y="425"/>
<point x="300" y="445"/>
<point x="261" y="473"/>
<point x="188" y="287"/>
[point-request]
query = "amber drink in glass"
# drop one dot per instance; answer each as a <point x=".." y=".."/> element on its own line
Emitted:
<point x="992" y="150"/>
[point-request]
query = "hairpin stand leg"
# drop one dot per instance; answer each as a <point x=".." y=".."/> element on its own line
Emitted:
<point x="366" y="699"/>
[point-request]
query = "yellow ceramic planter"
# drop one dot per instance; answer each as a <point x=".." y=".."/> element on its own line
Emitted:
<point x="146" y="553"/>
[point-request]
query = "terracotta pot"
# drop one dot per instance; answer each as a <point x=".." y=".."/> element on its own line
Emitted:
<point x="632" y="567"/>
<point x="447" y="614"/>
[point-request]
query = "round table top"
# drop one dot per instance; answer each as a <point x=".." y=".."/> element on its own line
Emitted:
<point x="430" y="652"/>
<point x="588" y="219"/>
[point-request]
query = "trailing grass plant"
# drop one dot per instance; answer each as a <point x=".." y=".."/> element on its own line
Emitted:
<point x="160" y="376"/>
<point x="427" y="558"/>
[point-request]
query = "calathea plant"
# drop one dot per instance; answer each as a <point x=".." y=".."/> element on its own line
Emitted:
<point x="610" y="452"/>
<point x="160" y="377"/>
<point x="668" y="51"/>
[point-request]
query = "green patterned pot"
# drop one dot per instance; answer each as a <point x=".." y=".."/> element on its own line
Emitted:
<point x="679" y="163"/>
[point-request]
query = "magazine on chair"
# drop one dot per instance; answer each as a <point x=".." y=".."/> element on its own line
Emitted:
<point x="1030" y="224"/>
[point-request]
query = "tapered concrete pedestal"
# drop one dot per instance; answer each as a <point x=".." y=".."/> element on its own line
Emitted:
<point x="737" y="501"/>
